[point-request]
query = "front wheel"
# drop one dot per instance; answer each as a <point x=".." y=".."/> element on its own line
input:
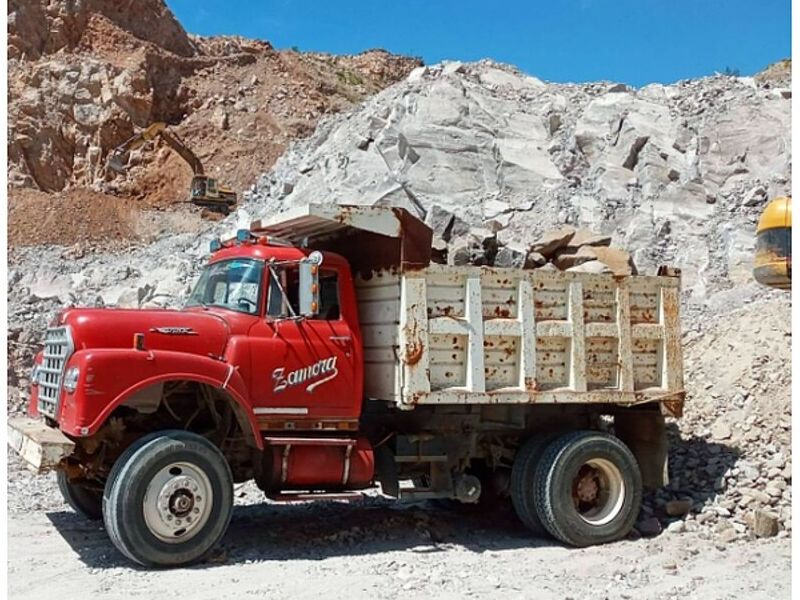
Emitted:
<point x="169" y="499"/>
<point x="588" y="488"/>
<point x="83" y="499"/>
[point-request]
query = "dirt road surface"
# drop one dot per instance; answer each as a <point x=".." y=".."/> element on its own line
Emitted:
<point x="379" y="550"/>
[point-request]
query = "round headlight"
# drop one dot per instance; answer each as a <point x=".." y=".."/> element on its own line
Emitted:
<point x="71" y="379"/>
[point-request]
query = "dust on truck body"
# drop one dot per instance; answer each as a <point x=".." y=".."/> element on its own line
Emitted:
<point x="322" y="354"/>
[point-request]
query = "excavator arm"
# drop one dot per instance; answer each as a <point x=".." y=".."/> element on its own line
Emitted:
<point x="115" y="159"/>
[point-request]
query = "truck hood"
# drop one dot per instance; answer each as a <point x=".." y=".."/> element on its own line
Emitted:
<point x="201" y="333"/>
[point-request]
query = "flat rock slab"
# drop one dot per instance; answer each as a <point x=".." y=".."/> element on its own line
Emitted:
<point x="619" y="261"/>
<point x="553" y="240"/>
<point x="41" y="446"/>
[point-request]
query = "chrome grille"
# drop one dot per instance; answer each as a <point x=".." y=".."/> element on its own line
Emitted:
<point x="57" y="349"/>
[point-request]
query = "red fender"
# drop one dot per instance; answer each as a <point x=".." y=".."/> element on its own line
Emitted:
<point x="109" y="377"/>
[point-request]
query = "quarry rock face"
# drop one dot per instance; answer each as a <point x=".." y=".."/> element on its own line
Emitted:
<point x="39" y="28"/>
<point x="84" y="76"/>
<point x="665" y="171"/>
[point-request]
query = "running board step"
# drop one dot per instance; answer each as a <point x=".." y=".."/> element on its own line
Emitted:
<point x="304" y="496"/>
<point x="303" y="441"/>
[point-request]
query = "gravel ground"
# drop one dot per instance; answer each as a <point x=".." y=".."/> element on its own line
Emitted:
<point x="377" y="549"/>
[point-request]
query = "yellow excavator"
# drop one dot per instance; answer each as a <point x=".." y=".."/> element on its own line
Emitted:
<point x="204" y="190"/>
<point x="773" y="261"/>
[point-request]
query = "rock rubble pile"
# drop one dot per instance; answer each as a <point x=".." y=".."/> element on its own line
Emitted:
<point x="673" y="173"/>
<point x="730" y="455"/>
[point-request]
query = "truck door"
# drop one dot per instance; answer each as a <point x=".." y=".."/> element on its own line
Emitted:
<point x="304" y="369"/>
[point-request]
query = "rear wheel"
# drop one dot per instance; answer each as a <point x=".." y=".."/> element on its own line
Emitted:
<point x="83" y="499"/>
<point x="169" y="499"/>
<point x="523" y="473"/>
<point x="588" y="488"/>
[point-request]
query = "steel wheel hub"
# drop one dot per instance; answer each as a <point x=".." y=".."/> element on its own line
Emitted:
<point x="598" y="491"/>
<point x="177" y="502"/>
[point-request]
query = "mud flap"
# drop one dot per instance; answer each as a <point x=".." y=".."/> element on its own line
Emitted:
<point x="42" y="447"/>
<point x="386" y="470"/>
<point x="644" y="432"/>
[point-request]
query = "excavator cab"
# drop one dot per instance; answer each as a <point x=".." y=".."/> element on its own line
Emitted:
<point x="205" y="192"/>
<point x="199" y="187"/>
<point x="773" y="261"/>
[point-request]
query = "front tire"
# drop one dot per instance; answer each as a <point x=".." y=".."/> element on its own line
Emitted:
<point x="588" y="488"/>
<point x="82" y="499"/>
<point x="169" y="499"/>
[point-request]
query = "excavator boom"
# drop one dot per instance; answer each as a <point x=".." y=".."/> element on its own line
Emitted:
<point x="174" y="142"/>
<point x="116" y="163"/>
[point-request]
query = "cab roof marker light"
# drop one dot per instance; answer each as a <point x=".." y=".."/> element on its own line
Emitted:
<point x="215" y="245"/>
<point x="243" y="235"/>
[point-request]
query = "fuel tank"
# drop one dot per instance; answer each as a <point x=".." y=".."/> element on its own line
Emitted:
<point x="316" y="464"/>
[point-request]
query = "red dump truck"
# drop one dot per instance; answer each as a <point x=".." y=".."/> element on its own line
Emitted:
<point x="322" y="354"/>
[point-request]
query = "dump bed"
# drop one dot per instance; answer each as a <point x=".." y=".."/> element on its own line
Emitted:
<point x="477" y="335"/>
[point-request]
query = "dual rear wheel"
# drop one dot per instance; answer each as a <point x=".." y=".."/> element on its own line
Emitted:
<point x="582" y="488"/>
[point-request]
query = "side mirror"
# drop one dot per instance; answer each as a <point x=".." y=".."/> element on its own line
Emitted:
<point x="309" y="284"/>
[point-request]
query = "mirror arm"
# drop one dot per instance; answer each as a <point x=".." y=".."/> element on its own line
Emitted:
<point x="284" y="295"/>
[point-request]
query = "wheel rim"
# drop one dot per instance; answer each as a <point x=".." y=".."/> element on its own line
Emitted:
<point x="178" y="502"/>
<point x="598" y="491"/>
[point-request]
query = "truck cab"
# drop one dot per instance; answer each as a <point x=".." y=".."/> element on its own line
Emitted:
<point x="302" y="366"/>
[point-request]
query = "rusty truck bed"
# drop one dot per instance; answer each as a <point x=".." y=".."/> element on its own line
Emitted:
<point x="464" y="335"/>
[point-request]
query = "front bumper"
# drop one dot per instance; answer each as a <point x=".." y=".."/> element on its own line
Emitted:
<point x="42" y="447"/>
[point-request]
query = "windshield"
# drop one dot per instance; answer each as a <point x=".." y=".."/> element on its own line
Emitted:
<point x="233" y="284"/>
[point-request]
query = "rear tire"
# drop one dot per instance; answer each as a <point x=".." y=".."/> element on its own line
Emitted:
<point x="588" y="488"/>
<point x="523" y="473"/>
<point x="169" y="499"/>
<point x="82" y="499"/>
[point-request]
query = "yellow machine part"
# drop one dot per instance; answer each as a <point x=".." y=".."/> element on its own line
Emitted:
<point x="773" y="260"/>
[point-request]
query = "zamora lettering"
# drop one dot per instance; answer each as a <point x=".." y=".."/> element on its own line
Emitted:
<point x="326" y="366"/>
